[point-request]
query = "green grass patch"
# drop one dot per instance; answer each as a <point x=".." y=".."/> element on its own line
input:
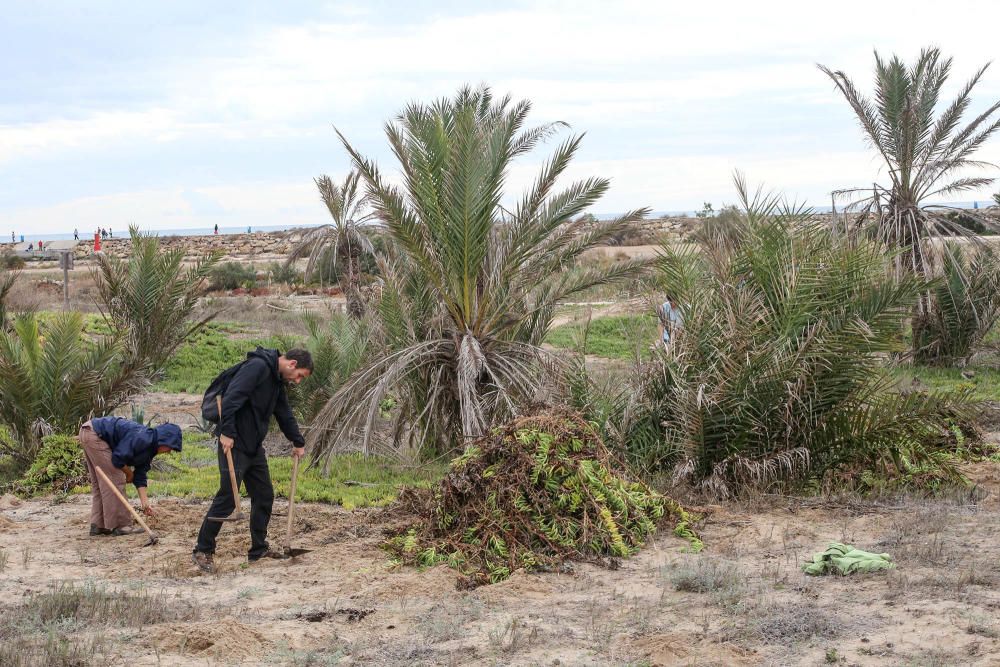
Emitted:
<point x="613" y="337"/>
<point x="206" y="354"/>
<point x="984" y="383"/>
<point x="195" y="364"/>
<point x="197" y="476"/>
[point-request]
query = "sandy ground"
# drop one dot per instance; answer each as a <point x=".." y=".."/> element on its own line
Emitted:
<point x="344" y="604"/>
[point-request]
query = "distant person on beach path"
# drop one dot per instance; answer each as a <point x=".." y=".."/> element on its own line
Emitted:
<point x="76" y="234"/>
<point x="12" y="237"/>
<point x="111" y="233"/>
<point x="31" y="247"/>
<point x="248" y="231"/>
<point x="216" y="228"/>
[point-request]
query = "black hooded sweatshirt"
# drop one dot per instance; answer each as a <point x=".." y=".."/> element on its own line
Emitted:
<point x="254" y="394"/>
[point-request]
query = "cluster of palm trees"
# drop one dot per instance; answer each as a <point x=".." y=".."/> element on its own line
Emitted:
<point x="776" y="369"/>
<point x="927" y="155"/>
<point x="471" y="276"/>
<point x="56" y="371"/>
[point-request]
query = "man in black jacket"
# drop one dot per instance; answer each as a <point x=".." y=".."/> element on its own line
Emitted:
<point x="255" y="393"/>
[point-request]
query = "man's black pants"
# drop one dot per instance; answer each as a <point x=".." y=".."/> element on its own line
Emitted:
<point x="253" y="473"/>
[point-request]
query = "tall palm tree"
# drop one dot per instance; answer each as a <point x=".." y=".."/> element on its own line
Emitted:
<point x="926" y="156"/>
<point x="348" y="237"/>
<point x="471" y="283"/>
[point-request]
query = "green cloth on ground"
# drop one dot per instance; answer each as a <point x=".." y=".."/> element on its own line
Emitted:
<point x="845" y="559"/>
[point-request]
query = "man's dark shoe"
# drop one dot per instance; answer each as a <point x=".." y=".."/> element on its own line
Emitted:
<point x="95" y="531"/>
<point x="270" y="553"/>
<point x="205" y="562"/>
<point x="123" y="530"/>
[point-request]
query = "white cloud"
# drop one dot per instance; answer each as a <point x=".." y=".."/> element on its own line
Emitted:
<point x="627" y="69"/>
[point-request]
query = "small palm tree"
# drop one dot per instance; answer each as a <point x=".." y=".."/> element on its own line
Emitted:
<point x="470" y="285"/>
<point x="965" y="305"/>
<point x="53" y="377"/>
<point x="149" y="297"/>
<point x="348" y="237"/>
<point x="339" y="346"/>
<point x="925" y="155"/>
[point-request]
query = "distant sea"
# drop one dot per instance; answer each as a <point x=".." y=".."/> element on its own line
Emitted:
<point x="122" y="232"/>
<point x="207" y="231"/>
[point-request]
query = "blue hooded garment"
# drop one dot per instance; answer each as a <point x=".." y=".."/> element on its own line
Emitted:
<point x="133" y="444"/>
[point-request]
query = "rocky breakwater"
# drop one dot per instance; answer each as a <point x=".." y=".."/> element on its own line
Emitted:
<point x="258" y="245"/>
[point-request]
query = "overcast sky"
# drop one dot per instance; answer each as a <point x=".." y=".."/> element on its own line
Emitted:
<point x="191" y="113"/>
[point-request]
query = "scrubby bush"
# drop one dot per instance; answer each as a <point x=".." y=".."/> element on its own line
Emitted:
<point x="11" y="262"/>
<point x="231" y="275"/>
<point x="725" y="226"/>
<point x="964" y="223"/>
<point x="530" y="495"/>
<point x="283" y="273"/>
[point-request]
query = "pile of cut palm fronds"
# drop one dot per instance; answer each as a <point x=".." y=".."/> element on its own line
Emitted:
<point x="541" y="490"/>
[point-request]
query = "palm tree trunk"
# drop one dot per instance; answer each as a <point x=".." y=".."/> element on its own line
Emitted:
<point x="352" y="284"/>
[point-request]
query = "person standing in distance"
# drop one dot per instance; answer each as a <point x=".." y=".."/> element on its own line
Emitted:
<point x="670" y="321"/>
<point x="253" y="395"/>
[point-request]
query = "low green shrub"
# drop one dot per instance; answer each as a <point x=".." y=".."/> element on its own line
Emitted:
<point x="11" y="262"/>
<point x="964" y="306"/>
<point x="777" y="375"/>
<point x="283" y="273"/>
<point x="230" y="275"/>
<point x="58" y="467"/>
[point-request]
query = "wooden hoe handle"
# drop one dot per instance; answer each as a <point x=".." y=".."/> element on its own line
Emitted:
<point x="291" y="500"/>
<point x="229" y="460"/>
<point x="124" y="500"/>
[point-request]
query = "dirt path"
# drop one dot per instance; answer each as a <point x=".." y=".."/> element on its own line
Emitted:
<point x="344" y="604"/>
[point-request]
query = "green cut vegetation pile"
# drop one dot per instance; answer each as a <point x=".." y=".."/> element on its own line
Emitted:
<point x="539" y="491"/>
<point x="58" y="468"/>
